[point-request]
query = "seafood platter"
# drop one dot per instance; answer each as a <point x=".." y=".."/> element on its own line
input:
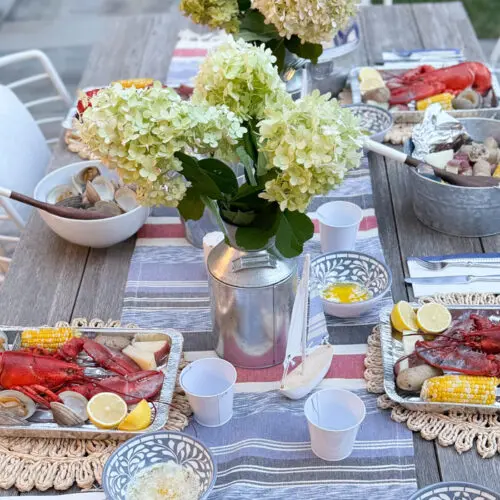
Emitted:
<point x="465" y="89"/>
<point x="94" y="383"/>
<point x="437" y="358"/>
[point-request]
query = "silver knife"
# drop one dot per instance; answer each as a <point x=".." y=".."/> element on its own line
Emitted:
<point x="452" y="280"/>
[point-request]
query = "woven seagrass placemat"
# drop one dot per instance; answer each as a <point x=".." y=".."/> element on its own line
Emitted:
<point x="37" y="463"/>
<point x="462" y="429"/>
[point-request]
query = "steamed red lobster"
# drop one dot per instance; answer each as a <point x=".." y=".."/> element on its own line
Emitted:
<point x="426" y="81"/>
<point x="40" y="374"/>
<point x="470" y="346"/>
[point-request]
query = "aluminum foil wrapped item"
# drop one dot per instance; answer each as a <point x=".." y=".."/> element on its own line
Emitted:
<point x="437" y="128"/>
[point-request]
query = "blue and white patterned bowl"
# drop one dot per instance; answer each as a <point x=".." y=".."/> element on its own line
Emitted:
<point x="455" y="490"/>
<point x="352" y="267"/>
<point x="152" y="448"/>
<point x="376" y="121"/>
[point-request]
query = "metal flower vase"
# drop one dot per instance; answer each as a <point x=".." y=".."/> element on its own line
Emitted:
<point x="251" y="295"/>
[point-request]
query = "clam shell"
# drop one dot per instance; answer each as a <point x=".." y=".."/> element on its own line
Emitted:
<point x="7" y="419"/>
<point x="66" y="416"/>
<point x="4" y="341"/>
<point x="60" y="193"/>
<point x="75" y="402"/>
<point x="24" y="405"/>
<point x="85" y="175"/>
<point x="72" y="201"/>
<point x="107" y="207"/>
<point x="100" y="189"/>
<point x="126" y="199"/>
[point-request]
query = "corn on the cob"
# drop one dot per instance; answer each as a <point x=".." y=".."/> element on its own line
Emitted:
<point x="48" y="338"/>
<point x="496" y="173"/>
<point x="443" y="99"/>
<point x="460" y="389"/>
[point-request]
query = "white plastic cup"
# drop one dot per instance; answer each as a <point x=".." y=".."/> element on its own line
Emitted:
<point x="334" y="417"/>
<point x="338" y="225"/>
<point x="209" y="386"/>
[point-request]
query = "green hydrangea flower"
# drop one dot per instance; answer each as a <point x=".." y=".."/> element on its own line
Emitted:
<point x="312" y="143"/>
<point x="240" y="76"/>
<point x="214" y="13"/>
<point x="138" y="131"/>
<point x="314" y="21"/>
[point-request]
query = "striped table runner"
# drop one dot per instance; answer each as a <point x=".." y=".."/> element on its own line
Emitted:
<point x="264" y="451"/>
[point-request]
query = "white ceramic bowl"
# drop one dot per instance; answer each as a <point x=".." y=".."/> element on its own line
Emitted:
<point x="352" y="267"/>
<point x="99" y="233"/>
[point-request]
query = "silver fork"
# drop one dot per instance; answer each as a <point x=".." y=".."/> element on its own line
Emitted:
<point x="438" y="265"/>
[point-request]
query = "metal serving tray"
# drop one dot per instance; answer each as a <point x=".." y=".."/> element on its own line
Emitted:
<point x="41" y="423"/>
<point x="392" y="350"/>
<point x="417" y="116"/>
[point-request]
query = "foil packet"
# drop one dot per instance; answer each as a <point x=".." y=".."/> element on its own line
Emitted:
<point x="437" y="128"/>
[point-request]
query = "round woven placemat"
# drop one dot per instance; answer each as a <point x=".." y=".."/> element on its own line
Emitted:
<point x="462" y="429"/>
<point x="37" y="463"/>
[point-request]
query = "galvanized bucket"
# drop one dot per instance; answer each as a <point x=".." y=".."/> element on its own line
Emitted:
<point x="456" y="210"/>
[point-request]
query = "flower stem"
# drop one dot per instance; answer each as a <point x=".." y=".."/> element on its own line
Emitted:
<point x="214" y="209"/>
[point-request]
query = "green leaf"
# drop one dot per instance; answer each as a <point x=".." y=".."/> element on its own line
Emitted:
<point x="250" y="145"/>
<point x="261" y="164"/>
<point x="244" y="5"/>
<point x="221" y="174"/>
<point x="294" y="230"/>
<point x="279" y="50"/>
<point x="262" y="229"/>
<point x="237" y="217"/>
<point x="191" y="206"/>
<point x="247" y="198"/>
<point x="306" y="50"/>
<point x="199" y="179"/>
<point x="253" y="21"/>
<point x="251" y="36"/>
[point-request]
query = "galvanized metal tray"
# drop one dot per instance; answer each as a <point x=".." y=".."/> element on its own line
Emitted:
<point x="417" y="116"/>
<point x="41" y="423"/>
<point x="392" y="350"/>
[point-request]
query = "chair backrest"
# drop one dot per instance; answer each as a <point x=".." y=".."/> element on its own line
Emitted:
<point x="24" y="86"/>
<point x="495" y="55"/>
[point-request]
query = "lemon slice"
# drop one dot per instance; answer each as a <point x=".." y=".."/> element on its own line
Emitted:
<point x="403" y="317"/>
<point x="106" y="410"/>
<point x="369" y="74"/>
<point x="433" y="318"/>
<point x="139" y="418"/>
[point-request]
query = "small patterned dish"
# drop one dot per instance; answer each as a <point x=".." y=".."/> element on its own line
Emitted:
<point x="152" y="448"/>
<point x="455" y="490"/>
<point x="372" y="119"/>
<point x="350" y="267"/>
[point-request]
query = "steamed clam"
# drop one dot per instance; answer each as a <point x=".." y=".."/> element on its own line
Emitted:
<point x="93" y="191"/>
<point x="72" y="411"/>
<point x="4" y="341"/>
<point x="16" y="404"/>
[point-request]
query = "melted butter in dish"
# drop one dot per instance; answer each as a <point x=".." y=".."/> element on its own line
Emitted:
<point x="346" y="293"/>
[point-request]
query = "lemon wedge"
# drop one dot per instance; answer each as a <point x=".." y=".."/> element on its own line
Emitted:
<point x="106" y="410"/>
<point x="403" y="317"/>
<point x="433" y="318"/>
<point x="139" y="418"/>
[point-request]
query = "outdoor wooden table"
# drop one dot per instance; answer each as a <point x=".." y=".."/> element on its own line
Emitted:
<point x="52" y="280"/>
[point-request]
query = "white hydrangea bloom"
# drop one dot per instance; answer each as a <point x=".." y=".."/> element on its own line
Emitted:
<point x="314" y="21"/>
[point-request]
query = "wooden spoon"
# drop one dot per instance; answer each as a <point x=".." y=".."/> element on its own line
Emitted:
<point x="455" y="179"/>
<point x="66" y="212"/>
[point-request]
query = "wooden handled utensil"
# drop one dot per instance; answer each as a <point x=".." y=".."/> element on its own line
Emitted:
<point x="455" y="179"/>
<point x="66" y="212"/>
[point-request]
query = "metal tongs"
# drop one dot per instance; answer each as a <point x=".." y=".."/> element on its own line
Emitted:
<point x="454" y="179"/>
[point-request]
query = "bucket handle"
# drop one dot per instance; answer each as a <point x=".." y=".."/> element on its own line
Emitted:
<point x="254" y="262"/>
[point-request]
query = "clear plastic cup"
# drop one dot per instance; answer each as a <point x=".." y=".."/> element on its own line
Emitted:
<point x="334" y="417"/>
<point x="209" y="386"/>
<point x="338" y="225"/>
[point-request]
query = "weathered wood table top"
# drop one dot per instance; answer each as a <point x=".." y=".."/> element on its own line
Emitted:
<point x="52" y="280"/>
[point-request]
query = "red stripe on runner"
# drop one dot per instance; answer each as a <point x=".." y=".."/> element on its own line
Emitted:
<point x="190" y="52"/>
<point x="162" y="231"/>
<point x="349" y="366"/>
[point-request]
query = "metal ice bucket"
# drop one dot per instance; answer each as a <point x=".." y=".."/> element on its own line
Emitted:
<point x="456" y="210"/>
<point x="252" y="296"/>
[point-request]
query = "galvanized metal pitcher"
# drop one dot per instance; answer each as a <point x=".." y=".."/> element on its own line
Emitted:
<point x="252" y="296"/>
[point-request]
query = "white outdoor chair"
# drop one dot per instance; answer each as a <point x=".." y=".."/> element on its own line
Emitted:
<point x="495" y="56"/>
<point x="24" y="149"/>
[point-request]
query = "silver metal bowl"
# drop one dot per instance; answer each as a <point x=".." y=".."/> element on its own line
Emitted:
<point x="376" y="121"/>
<point x="350" y="267"/>
<point x="456" y="210"/>
<point x="151" y="448"/>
